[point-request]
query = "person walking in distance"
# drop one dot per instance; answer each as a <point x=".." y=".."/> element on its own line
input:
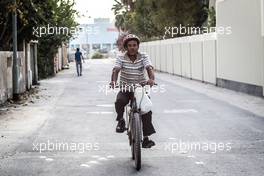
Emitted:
<point x="78" y="61"/>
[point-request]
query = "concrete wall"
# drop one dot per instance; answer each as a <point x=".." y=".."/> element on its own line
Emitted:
<point x="240" y="55"/>
<point x="6" y="64"/>
<point x="65" y="56"/>
<point x="26" y="71"/>
<point x="61" y="59"/>
<point x="21" y="55"/>
<point x="191" y="57"/>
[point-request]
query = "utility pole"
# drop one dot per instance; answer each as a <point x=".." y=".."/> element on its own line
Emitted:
<point x="15" y="59"/>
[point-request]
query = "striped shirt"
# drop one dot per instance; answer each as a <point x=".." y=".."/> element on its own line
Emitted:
<point x="133" y="72"/>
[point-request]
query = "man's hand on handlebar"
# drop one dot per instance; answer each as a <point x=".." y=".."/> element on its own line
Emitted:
<point x="151" y="82"/>
<point x="112" y="84"/>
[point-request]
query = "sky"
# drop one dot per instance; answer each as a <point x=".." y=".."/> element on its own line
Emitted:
<point x="94" y="9"/>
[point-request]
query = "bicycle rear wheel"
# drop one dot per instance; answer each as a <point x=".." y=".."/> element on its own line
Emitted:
<point x="137" y="140"/>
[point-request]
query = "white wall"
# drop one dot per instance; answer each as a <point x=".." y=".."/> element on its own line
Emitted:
<point x="240" y="55"/>
<point x="191" y="57"/>
<point x="236" y="57"/>
<point x="197" y="60"/>
<point x="209" y="64"/>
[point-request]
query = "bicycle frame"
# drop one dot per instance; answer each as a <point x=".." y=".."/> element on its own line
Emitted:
<point x="131" y="107"/>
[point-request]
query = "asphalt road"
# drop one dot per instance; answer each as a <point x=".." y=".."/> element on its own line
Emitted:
<point x="70" y="130"/>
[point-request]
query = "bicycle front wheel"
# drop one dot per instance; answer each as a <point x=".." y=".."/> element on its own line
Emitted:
<point x="137" y="140"/>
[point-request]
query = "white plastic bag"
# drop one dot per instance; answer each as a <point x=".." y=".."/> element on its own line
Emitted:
<point x="143" y="100"/>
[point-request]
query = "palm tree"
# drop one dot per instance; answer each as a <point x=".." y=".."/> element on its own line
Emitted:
<point x="130" y="4"/>
<point x="120" y="11"/>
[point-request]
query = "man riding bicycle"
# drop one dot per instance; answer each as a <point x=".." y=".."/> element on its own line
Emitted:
<point x="132" y="66"/>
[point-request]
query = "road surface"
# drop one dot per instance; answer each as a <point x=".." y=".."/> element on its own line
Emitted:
<point x="70" y="130"/>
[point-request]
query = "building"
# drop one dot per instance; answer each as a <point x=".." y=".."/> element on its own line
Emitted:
<point x="98" y="36"/>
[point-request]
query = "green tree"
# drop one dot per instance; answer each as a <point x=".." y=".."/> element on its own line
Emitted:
<point x="33" y="14"/>
<point x="149" y="18"/>
<point x="63" y="15"/>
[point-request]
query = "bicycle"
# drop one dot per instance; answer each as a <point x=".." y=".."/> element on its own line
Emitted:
<point x="134" y="125"/>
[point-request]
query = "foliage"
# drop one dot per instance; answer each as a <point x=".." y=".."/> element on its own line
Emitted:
<point x="34" y="14"/>
<point x="149" y="18"/>
<point x="211" y="17"/>
<point x="97" y="55"/>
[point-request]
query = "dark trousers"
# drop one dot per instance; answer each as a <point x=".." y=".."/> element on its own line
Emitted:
<point x="122" y="100"/>
<point x="79" y="67"/>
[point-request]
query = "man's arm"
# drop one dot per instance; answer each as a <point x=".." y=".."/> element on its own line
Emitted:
<point x="82" y="57"/>
<point x="75" y="57"/>
<point x="114" y="76"/>
<point x="148" y="65"/>
<point x="115" y="71"/>
<point x="151" y="76"/>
